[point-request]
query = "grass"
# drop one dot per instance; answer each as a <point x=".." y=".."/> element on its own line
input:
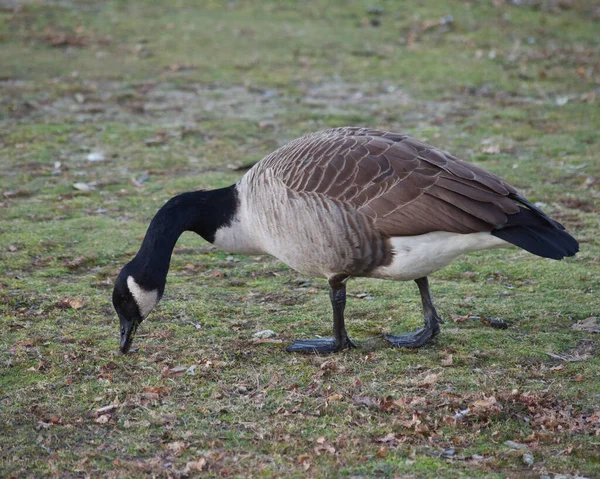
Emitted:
<point x="174" y="93"/>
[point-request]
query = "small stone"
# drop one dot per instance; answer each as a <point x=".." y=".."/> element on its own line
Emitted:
<point x="96" y="156"/>
<point x="82" y="187"/>
<point x="264" y="334"/>
<point x="528" y="459"/>
<point x="448" y="452"/>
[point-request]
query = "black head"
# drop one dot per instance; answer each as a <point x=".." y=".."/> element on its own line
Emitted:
<point x="133" y="302"/>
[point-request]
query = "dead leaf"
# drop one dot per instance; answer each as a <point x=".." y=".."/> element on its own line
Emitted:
<point x="491" y="149"/>
<point x="323" y="446"/>
<point x="74" y="263"/>
<point x="429" y="380"/>
<point x="12" y="248"/>
<point x="176" y="447"/>
<point x="330" y="365"/>
<point x="217" y="273"/>
<point x="167" y="372"/>
<point x="447" y="361"/>
<point x="457" y="318"/>
<point x="198" y="465"/>
<point x="64" y="39"/>
<point x="66" y="303"/>
<point x="27" y="343"/>
<point x="484" y="407"/>
<point x="103" y="419"/>
<point x="389" y="439"/>
<point x="382" y="452"/>
<point x="158" y="390"/>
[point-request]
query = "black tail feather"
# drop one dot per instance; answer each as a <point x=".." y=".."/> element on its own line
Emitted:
<point x="542" y="241"/>
<point x="534" y="231"/>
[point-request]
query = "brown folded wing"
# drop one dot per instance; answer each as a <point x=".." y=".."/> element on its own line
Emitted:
<point x="406" y="187"/>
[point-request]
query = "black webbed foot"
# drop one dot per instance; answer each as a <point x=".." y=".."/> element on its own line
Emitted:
<point x="320" y="346"/>
<point x="413" y="340"/>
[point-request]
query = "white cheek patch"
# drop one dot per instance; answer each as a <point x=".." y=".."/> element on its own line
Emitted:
<point x="145" y="300"/>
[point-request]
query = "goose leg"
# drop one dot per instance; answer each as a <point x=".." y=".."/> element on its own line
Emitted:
<point x="340" y="340"/>
<point x="432" y="320"/>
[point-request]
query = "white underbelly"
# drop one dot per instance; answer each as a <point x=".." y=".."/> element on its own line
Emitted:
<point x="418" y="256"/>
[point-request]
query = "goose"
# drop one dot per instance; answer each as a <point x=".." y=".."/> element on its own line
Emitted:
<point x="341" y="203"/>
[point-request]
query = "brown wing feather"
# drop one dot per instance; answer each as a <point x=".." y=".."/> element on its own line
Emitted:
<point x="405" y="186"/>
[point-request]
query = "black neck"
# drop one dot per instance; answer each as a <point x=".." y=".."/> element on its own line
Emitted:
<point x="202" y="212"/>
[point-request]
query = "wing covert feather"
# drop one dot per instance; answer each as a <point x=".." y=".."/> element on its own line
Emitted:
<point x="404" y="186"/>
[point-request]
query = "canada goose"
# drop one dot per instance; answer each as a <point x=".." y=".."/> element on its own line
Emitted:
<point x="340" y="203"/>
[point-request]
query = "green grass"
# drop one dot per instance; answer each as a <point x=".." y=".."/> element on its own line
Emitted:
<point x="172" y="94"/>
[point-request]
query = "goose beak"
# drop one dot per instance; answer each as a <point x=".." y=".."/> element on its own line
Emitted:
<point x="128" y="329"/>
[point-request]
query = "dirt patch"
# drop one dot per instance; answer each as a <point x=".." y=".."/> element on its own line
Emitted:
<point x="580" y="204"/>
<point x="170" y="105"/>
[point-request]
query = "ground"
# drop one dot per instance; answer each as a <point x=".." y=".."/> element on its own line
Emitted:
<point x="107" y="109"/>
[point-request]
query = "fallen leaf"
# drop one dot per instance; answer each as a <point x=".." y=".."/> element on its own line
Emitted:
<point x="217" y="273"/>
<point x="429" y="380"/>
<point x="62" y="39"/>
<point x="71" y="303"/>
<point x="170" y="372"/>
<point x="103" y="419"/>
<point x="12" y="248"/>
<point x="158" y="390"/>
<point x="447" y="361"/>
<point x="491" y="149"/>
<point x="389" y="439"/>
<point x="323" y="446"/>
<point x="176" y="447"/>
<point x="457" y="318"/>
<point x="74" y="263"/>
<point x="382" y="452"/>
<point x="198" y="465"/>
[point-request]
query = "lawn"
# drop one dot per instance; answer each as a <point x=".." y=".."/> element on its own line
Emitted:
<point x="107" y="109"/>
